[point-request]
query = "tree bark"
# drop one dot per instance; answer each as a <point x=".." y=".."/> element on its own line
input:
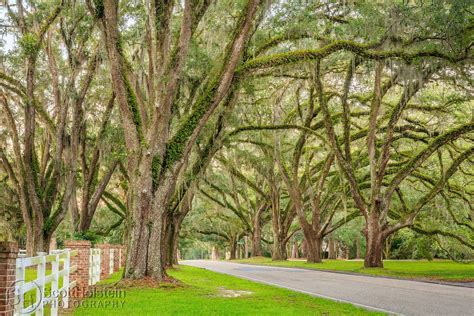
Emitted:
<point x="279" y="248"/>
<point x="294" y="250"/>
<point x="331" y="247"/>
<point x="215" y="253"/>
<point x="246" y="247"/>
<point x="358" y="247"/>
<point x="233" y="249"/>
<point x="314" y="246"/>
<point x="256" y="250"/>
<point x="374" y="242"/>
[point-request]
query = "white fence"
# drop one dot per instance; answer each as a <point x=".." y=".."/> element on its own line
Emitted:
<point x="60" y="268"/>
<point x="36" y="290"/>
<point x="111" y="261"/>
<point x="94" y="266"/>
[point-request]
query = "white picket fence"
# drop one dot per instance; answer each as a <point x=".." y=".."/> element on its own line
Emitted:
<point x="60" y="267"/>
<point x="60" y="261"/>
<point x="94" y="266"/>
<point x="111" y="261"/>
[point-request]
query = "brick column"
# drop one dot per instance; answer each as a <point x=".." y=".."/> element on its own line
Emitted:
<point x="104" y="260"/>
<point x="81" y="260"/>
<point x="117" y="257"/>
<point x="8" y="254"/>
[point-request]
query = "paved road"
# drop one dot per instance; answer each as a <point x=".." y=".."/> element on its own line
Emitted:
<point x="384" y="294"/>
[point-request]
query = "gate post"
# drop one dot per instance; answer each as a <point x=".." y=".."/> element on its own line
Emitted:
<point x="81" y="275"/>
<point x="8" y="254"/>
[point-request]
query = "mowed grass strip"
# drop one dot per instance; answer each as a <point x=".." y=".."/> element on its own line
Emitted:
<point x="440" y="270"/>
<point x="202" y="292"/>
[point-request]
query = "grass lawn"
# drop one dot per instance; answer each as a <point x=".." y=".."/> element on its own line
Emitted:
<point x="442" y="270"/>
<point x="202" y="292"/>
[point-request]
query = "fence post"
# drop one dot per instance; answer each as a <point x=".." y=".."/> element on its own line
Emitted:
<point x="104" y="260"/>
<point x="117" y="255"/>
<point x="67" y="268"/>
<point x="20" y="278"/>
<point x="40" y="275"/>
<point x="55" y="283"/>
<point x="111" y="260"/>
<point x="81" y="275"/>
<point x="123" y="255"/>
<point x="8" y="254"/>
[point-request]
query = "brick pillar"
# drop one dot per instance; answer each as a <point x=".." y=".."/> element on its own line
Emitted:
<point x="8" y="254"/>
<point x="117" y="257"/>
<point x="104" y="260"/>
<point x="81" y="260"/>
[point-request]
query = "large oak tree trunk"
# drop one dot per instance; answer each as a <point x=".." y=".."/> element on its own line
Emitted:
<point x="139" y="202"/>
<point x="314" y="244"/>
<point x="331" y="247"/>
<point x="256" y="250"/>
<point x="279" y="248"/>
<point x="294" y="250"/>
<point x="172" y="226"/>
<point x="358" y="247"/>
<point x="233" y="249"/>
<point x="374" y="242"/>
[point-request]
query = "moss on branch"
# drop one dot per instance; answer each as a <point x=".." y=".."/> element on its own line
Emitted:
<point x="363" y="50"/>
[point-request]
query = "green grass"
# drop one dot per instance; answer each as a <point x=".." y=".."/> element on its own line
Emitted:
<point x="441" y="270"/>
<point x="200" y="293"/>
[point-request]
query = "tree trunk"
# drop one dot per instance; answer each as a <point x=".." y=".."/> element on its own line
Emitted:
<point x="374" y="242"/>
<point x="256" y="250"/>
<point x="175" y="250"/>
<point x="314" y="249"/>
<point x="294" y="250"/>
<point x="246" y="247"/>
<point x="331" y="247"/>
<point x="304" y="247"/>
<point x="167" y="252"/>
<point x="358" y="248"/>
<point x="172" y="225"/>
<point x="37" y="240"/>
<point x="279" y="248"/>
<point x="215" y="253"/>
<point x="233" y="249"/>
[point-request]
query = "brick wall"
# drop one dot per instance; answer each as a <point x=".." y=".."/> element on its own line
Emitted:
<point x="8" y="254"/>
<point x="81" y="275"/>
<point x="104" y="260"/>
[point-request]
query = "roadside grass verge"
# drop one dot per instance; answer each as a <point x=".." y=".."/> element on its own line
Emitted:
<point x="202" y="292"/>
<point x="440" y="270"/>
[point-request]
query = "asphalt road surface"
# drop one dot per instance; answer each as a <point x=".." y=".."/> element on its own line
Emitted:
<point x="376" y="293"/>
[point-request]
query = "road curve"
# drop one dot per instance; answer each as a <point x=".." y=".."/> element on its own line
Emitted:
<point x="395" y="296"/>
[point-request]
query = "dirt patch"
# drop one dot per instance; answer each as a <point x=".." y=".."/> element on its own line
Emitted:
<point x="223" y="292"/>
<point x="147" y="282"/>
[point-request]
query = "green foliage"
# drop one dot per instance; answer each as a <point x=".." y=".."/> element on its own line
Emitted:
<point x="88" y="235"/>
<point x="30" y="45"/>
<point x="175" y="148"/>
<point x="155" y="170"/>
<point x="99" y="8"/>
<point x="134" y="109"/>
